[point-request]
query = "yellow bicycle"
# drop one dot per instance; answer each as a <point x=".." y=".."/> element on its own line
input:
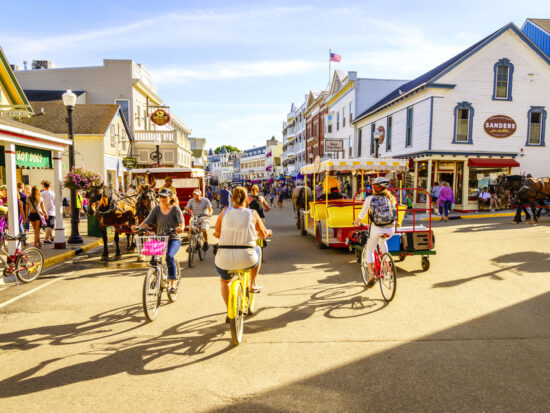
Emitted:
<point x="240" y="303"/>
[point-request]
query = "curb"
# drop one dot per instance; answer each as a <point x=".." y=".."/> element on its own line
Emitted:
<point x="56" y="259"/>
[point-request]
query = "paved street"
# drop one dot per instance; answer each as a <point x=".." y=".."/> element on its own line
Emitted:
<point x="471" y="334"/>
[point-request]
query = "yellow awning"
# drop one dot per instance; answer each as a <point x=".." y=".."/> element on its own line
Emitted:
<point x="357" y="164"/>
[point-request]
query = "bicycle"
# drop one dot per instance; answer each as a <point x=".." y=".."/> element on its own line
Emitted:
<point x="384" y="270"/>
<point x="241" y="302"/>
<point x="156" y="279"/>
<point x="196" y="240"/>
<point x="27" y="264"/>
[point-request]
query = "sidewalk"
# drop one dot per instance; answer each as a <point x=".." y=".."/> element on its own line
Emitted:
<point x="54" y="256"/>
<point x="463" y="215"/>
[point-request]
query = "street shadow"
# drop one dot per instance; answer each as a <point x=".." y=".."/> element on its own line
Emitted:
<point x="98" y="327"/>
<point x="498" y="362"/>
<point x="518" y="263"/>
<point x="182" y="345"/>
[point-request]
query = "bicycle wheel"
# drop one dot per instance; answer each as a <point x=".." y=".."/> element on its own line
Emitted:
<point x="151" y="294"/>
<point x="200" y="245"/>
<point x="29" y="265"/>
<point x="191" y="252"/>
<point x="388" y="280"/>
<point x="364" y="266"/>
<point x="235" y="311"/>
<point x="174" y="296"/>
<point x="251" y="301"/>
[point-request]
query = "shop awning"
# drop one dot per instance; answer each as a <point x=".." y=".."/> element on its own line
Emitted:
<point x="492" y="163"/>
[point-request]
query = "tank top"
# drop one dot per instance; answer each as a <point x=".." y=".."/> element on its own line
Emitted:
<point x="256" y="205"/>
<point x="237" y="229"/>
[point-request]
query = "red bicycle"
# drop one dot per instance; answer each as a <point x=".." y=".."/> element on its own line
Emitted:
<point x="384" y="269"/>
<point x="26" y="264"/>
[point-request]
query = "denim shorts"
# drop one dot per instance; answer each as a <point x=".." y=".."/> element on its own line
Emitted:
<point x="225" y="275"/>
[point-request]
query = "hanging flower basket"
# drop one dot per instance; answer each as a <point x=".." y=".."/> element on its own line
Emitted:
<point x="82" y="178"/>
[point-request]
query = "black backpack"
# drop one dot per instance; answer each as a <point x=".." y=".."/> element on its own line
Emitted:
<point x="382" y="212"/>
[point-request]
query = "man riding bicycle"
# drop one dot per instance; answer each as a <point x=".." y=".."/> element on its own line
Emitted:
<point x="381" y="209"/>
<point x="197" y="206"/>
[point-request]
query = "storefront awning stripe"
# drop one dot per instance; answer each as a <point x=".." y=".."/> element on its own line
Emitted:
<point x="492" y="163"/>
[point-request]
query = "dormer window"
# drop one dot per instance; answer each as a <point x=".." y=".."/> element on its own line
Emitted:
<point x="504" y="71"/>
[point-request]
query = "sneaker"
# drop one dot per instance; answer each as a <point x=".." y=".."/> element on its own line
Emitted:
<point x="47" y="242"/>
<point x="227" y="320"/>
<point x="173" y="290"/>
<point x="205" y="246"/>
<point x="491" y="210"/>
<point x="188" y="249"/>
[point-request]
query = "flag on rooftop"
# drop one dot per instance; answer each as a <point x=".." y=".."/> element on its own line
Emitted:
<point x="335" y="57"/>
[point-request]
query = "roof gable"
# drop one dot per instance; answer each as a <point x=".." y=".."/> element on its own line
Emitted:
<point x="89" y="119"/>
<point x="430" y="77"/>
<point x="11" y="86"/>
<point x="337" y="80"/>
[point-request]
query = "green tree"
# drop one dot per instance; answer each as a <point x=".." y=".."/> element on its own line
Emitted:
<point x="228" y="148"/>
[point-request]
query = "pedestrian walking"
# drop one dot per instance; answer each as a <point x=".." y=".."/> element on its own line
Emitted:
<point x="36" y="211"/>
<point x="445" y="199"/>
<point x="435" y="194"/>
<point x="48" y="196"/>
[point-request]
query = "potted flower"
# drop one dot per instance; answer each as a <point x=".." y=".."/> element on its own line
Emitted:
<point x="82" y="178"/>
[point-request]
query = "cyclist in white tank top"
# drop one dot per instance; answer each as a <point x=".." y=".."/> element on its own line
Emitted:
<point x="238" y="226"/>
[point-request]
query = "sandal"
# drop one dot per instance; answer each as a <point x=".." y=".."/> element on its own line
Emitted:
<point x="256" y="289"/>
<point x="371" y="283"/>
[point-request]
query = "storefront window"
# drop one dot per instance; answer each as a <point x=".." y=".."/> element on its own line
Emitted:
<point x="480" y="178"/>
<point x="422" y="181"/>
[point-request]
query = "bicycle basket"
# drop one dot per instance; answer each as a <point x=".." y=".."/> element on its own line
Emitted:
<point x="152" y="245"/>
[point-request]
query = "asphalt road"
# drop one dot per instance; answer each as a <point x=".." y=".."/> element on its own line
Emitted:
<point x="471" y="334"/>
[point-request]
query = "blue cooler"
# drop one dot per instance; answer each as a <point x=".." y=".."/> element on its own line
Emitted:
<point x="394" y="243"/>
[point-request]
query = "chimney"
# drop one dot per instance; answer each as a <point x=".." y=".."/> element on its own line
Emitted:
<point x="14" y="67"/>
<point x="42" y="64"/>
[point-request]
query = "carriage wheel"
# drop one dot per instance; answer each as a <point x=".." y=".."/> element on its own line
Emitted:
<point x="425" y="263"/>
<point x="319" y="237"/>
<point x="303" y="225"/>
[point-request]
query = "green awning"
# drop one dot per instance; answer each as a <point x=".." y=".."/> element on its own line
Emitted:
<point x="26" y="157"/>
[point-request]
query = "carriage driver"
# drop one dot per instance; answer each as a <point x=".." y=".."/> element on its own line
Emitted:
<point x="197" y="206"/>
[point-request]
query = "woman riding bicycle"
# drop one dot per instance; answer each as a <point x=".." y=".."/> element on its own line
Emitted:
<point x="380" y="204"/>
<point x="165" y="216"/>
<point x="238" y="228"/>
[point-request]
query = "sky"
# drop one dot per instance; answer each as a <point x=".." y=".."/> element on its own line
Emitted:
<point x="230" y="70"/>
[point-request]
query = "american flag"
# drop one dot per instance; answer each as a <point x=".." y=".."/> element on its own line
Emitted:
<point x="335" y="57"/>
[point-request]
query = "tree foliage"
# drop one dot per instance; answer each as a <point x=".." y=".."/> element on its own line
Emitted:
<point x="228" y="148"/>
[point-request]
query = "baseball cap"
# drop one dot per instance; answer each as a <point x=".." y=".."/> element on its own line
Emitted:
<point x="197" y="191"/>
<point x="165" y="192"/>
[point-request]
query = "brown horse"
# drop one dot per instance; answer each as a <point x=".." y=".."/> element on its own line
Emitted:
<point x="299" y="200"/>
<point x="525" y="191"/>
<point x="111" y="210"/>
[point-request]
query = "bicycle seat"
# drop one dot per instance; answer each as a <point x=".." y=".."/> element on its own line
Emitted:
<point x="385" y="236"/>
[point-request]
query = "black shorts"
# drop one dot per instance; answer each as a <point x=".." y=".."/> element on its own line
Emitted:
<point x="50" y="222"/>
<point x="34" y="216"/>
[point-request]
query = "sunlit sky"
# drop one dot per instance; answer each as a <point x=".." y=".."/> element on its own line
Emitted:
<point x="231" y="69"/>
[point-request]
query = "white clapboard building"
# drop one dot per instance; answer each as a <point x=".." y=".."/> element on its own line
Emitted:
<point x="481" y="114"/>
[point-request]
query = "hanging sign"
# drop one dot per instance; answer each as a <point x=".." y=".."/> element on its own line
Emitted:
<point x="32" y="158"/>
<point x="160" y="117"/>
<point x="334" y="145"/>
<point x="129" y="162"/>
<point x="500" y="126"/>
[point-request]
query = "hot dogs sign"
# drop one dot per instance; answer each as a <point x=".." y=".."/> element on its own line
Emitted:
<point x="500" y="126"/>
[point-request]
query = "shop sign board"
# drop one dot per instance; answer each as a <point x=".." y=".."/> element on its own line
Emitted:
<point x="14" y="113"/>
<point x="334" y="145"/>
<point x="129" y="162"/>
<point x="500" y="126"/>
<point x="160" y="117"/>
<point x="32" y="158"/>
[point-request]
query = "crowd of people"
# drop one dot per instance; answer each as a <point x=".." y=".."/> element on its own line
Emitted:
<point x="274" y="192"/>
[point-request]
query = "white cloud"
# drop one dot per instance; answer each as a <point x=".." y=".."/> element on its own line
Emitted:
<point x="232" y="70"/>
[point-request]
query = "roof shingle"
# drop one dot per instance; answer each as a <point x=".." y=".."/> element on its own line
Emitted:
<point x="88" y="119"/>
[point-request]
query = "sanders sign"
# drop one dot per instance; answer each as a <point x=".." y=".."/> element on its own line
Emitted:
<point x="500" y="126"/>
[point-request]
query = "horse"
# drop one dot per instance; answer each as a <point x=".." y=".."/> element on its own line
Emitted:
<point x="299" y="200"/>
<point x="145" y="201"/>
<point x="112" y="210"/>
<point x="525" y="191"/>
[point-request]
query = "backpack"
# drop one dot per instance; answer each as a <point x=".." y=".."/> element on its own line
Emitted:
<point x="358" y="237"/>
<point x="382" y="212"/>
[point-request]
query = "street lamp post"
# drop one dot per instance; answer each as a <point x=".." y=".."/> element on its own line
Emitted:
<point x="69" y="100"/>
<point x="157" y="156"/>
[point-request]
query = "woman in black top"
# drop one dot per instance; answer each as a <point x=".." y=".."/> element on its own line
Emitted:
<point x="257" y="202"/>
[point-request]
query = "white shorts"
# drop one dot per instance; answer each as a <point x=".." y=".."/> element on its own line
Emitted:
<point x="203" y="223"/>
<point x="374" y="237"/>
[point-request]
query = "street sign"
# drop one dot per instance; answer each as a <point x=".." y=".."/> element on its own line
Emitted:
<point x="334" y="145"/>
